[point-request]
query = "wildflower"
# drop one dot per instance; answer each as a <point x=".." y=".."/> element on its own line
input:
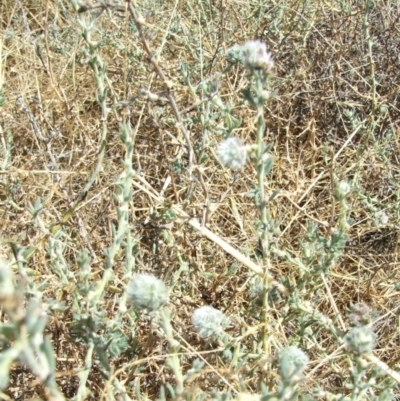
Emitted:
<point x="342" y="190"/>
<point x="360" y="340"/>
<point x="209" y="322"/>
<point x="381" y="218"/>
<point x="360" y="315"/>
<point x="146" y="291"/>
<point x="256" y="56"/>
<point x="292" y="361"/>
<point x="232" y="153"/>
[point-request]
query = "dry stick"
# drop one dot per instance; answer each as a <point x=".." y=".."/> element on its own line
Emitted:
<point x="27" y="172"/>
<point x="325" y="360"/>
<point x="200" y="356"/>
<point x="369" y="40"/>
<point x="334" y="158"/>
<point x="139" y="22"/>
<point x="370" y="357"/>
<point x="103" y="140"/>
<point x="190" y="351"/>
<point x="56" y="85"/>
<point x="299" y="201"/>
<point x="347" y="142"/>
<point x="211" y="236"/>
<point x="333" y="303"/>
<point x="323" y="172"/>
<point x="47" y="67"/>
<point x="382" y="365"/>
<point x="46" y="142"/>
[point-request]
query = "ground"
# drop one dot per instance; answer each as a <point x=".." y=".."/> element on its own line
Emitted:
<point x="111" y="114"/>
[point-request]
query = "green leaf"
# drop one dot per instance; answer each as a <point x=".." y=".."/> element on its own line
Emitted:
<point x="48" y="351"/>
<point x="274" y="195"/>
<point x="268" y="163"/>
<point x="267" y="147"/>
<point x="9" y="331"/>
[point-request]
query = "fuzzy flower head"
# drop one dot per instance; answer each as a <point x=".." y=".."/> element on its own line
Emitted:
<point x="360" y="315"/>
<point x="381" y="218"/>
<point x="210" y="322"/>
<point x="232" y="153"/>
<point x="292" y="362"/>
<point x="146" y="291"/>
<point x="234" y="54"/>
<point x="360" y="340"/>
<point x="256" y="56"/>
<point x="342" y="190"/>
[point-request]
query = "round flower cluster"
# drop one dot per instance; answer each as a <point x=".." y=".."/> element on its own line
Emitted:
<point x="146" y="291"/>
<point x="342" y="190"/>
<point x="292" y="362"/>
<point x="253" y="54"/>
<point x="210" y="322"/>
<point x="232" y="153"/>
<point x="256" y="56"/>
<point x="360" y="340"/>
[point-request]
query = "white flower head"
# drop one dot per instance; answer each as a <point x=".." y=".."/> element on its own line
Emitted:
<point x="210" y="322"/>
<point x="343" y="189"/>
<point x="381" y="218"/>
<point x="360" y="340"/>
<point x="232" y="153"/>
<point x="256" y="56"/>
<point x="146" y="291"/>
<point x="292" y="362"/>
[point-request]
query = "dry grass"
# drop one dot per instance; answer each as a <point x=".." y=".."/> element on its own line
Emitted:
<point x="324" y="69"/>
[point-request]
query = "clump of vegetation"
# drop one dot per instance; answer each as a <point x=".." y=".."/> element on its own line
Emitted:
<point x="199" y="202"/>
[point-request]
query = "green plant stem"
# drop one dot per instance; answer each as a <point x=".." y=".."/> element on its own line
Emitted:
<point x="99" y="68"/>
<point x="173" y="360"/>
<point x="84" y="374"/>
<point x="124" y="196"/>
<point x="263" y="210"/>
<point x="205" y="125"/>
<point x="261" y="187"/>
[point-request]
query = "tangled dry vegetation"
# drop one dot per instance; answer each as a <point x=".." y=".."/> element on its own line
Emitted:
<point x="333" y="116"/>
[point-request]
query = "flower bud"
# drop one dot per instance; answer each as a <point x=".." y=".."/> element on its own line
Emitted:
<point x="360" y="340"/>
<point x="146" y="291"/>
<point x="342" y="190"/>
<point x="234" y="54"/>
<point x="292" y="362"/>
<point x="232" y="153"/>
<point x="210" y="322"/>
